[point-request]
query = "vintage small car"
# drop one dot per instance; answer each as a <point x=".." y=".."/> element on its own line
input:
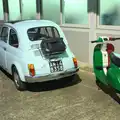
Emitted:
<point x="35" y="51"/>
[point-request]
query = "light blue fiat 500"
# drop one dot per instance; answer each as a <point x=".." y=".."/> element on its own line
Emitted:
<point x="35" y="51"/>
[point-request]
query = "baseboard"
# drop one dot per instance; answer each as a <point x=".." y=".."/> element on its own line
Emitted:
<point x="85" y="66"/>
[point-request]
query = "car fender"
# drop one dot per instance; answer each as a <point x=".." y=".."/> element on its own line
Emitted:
<point x="20" y="71"/>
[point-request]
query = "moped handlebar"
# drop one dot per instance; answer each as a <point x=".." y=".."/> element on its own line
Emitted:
<point x="94" y="41"/>
<point x="115" y="39"/>
<point x="110" y="39"/>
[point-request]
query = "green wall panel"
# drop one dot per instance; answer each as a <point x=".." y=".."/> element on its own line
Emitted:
<point x="75" y="12"/>
<point x="28" y="9"/>
<point x="51" y="10"/>
<point x="110" y="12"/>
<point x="1" y="10"/>
<point x="14" y="10"/>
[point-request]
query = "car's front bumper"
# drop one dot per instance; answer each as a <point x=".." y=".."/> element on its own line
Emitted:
<point x="54" y="76"/>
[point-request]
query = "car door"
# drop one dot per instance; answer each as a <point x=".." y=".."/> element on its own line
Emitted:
<point x="12" y="49"/>
<point x="3" y="46"/>
<point x="0" y="44"/>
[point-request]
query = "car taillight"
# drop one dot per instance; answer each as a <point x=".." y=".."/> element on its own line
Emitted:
<point x="31" y="69"/>
<point x="75" y="62"/>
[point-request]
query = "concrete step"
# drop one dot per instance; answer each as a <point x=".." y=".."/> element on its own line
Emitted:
<point x="85" y="66"/>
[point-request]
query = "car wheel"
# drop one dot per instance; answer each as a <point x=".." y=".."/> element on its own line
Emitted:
<point x="21" y="86"/>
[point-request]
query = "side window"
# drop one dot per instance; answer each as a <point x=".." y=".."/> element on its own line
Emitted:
<point x="42" y="31"/>
<point x="0" y="29"/>
<point x="55" y="32"/>
<point x="4" y="34"/>
<point x="13" y="39"/>
<point x="49" y="31"/>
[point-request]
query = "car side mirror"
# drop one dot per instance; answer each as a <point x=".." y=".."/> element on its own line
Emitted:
<point x="0" y="37"/>
<point x="3" y="38"/>
<point x="61" y="38"/>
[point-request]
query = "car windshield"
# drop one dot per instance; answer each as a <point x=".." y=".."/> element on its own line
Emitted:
<point x="39" y="33"/>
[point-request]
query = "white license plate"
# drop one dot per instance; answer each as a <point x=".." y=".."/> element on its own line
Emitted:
<point x="56" y="66"/>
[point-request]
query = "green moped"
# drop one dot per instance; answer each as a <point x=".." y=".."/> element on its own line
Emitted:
<point x="106" y="63"/>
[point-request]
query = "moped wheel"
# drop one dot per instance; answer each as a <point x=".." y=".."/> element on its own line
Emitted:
<point x="98" y="83"/>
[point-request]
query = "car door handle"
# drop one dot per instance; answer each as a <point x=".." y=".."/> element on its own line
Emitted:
<point x="4" y="48"/>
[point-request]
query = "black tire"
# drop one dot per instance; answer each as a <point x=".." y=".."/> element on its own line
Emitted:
<point x="98" y="83"/>
<point x="21" y="86"/>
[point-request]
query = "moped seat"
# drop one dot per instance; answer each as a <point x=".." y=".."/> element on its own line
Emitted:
<point x="115" y="59"/>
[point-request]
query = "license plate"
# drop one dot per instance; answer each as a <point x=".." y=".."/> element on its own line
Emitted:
<point x="56" y="66"/>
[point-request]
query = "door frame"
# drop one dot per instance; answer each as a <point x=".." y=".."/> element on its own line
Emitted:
<point x="4" y="47"/>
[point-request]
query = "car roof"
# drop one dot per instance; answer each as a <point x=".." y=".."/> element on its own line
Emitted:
<point x="26" y="24"/>
<point x="22" y="27"/>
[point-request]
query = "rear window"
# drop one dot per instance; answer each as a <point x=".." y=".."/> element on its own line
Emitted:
<point x="39" y="33"/>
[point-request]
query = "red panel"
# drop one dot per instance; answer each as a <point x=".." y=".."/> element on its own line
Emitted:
<point x="110" y="48"/>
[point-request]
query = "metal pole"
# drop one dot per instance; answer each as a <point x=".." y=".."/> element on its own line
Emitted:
<point x="20" y="4"/>
<point x="6" y="10"/>
<point x="38" y="9"/>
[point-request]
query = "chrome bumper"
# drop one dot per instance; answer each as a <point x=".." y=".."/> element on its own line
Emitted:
<point x="54" y="76"/>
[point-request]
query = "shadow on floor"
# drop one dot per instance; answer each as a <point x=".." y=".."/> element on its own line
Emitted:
<point x="49" y="85"/>
<point x="52" y="85"/>
<point x="114" y="94"/>
<point x="7" y="74"/>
